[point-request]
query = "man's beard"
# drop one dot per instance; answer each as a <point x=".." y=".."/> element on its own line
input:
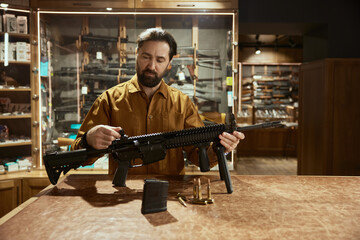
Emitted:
<point x="149" y="81"/>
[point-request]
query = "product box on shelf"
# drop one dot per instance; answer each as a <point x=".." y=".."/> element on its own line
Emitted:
<point x="12" y="166"/>
<point x="11" y="23"/>
<point x="21" y="24"/>
<point x="24" y="164"/>
<point x="12" y="51"/>
<point x="21" y="51"/>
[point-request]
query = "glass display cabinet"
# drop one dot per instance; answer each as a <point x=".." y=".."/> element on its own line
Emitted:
<point x="83" y="54"/>
<point x="16" y="113"/>
<point x="268" y="92"/>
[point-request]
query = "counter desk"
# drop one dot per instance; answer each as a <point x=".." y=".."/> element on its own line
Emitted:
<point x="261" y="207"/>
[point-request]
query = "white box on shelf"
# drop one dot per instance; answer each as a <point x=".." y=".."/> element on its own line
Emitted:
<point x="21" y="51"/>
<point x="11" y="23"/>
<point x="12" y="167"/>
<point x="24" y="164"/>
<point x="21" y="24"/>
<point x="5" y="20"/>
<point x="12" y="51"/>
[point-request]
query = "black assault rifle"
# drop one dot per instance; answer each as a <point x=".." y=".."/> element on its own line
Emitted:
<point x="152" y="148"/>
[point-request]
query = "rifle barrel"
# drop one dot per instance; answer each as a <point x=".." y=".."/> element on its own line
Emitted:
<point x="261" y="125"/>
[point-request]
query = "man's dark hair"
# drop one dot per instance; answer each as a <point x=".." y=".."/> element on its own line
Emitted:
<point x="158" y="34"/>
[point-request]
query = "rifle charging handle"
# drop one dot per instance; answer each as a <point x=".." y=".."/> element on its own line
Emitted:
<point x="122" y="134"/>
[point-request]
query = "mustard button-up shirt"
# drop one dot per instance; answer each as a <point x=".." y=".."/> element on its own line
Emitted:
<point x="127" y="106"/>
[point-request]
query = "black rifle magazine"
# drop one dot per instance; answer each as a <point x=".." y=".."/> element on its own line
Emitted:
<point x="154" y="196"/>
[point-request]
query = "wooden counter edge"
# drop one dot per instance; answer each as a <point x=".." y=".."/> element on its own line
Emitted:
<point x="39" y="174"/>
<point x="25" y="204"/>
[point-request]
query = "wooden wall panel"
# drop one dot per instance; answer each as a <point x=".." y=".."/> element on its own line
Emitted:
<point x="329" y="116"/>
<point x="313" y="109"/>
<point x="346" y="128"/>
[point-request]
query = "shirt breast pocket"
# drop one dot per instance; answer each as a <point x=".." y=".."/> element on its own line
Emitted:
<point x="175" y="121"/>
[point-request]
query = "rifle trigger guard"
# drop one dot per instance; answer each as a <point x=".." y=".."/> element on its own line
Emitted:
<point x="133" y="165"/>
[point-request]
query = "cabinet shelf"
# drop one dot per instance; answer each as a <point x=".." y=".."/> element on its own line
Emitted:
<point x="17" y="35"/>
<point x="28" y="115"/>
<point x="15" y="144"/>
<point x="15" y="89"/>
<point x="17" y="62"/>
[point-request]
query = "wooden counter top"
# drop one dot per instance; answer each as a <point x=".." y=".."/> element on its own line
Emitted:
<point x="261" y="207"/>
<point x="41" y="173"/>
<point x="24" y="174"/>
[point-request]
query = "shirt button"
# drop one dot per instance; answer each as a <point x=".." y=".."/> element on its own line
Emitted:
<point x="150" y="116"/>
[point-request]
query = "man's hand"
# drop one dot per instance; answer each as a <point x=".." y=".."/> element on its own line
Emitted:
<point x="101" y="136"/>
<point x="230" y="141"/>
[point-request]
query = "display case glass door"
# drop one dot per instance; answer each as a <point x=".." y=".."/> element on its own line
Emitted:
<point x="83" y="54"/>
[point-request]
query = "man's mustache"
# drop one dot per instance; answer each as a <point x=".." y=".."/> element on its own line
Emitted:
<point x="149" y="71"/>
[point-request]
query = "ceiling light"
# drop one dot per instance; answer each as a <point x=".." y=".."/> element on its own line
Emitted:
<point x="4" y="5"/>
<point x="109" y="9"/>
<point x="257" y="49"/>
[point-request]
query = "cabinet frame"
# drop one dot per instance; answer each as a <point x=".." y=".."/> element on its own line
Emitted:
<point x="35" y="91"/>
<point x="83" y="5"/>
<point x="175" y="4"/>
<point x="98" y="5"/>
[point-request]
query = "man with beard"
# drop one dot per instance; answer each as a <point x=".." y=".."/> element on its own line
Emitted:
<point x="146" y="104"/>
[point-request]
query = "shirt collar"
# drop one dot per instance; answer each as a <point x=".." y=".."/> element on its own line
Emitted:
<point x="135" y="87"/>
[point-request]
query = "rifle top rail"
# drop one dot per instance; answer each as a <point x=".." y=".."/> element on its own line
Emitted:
<point x="193" y="136"/>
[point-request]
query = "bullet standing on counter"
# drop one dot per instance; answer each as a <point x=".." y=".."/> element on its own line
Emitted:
<point x="209" y="198"/>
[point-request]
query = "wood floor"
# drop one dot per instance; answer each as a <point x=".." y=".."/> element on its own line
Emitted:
<point x="266" y="166"/>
